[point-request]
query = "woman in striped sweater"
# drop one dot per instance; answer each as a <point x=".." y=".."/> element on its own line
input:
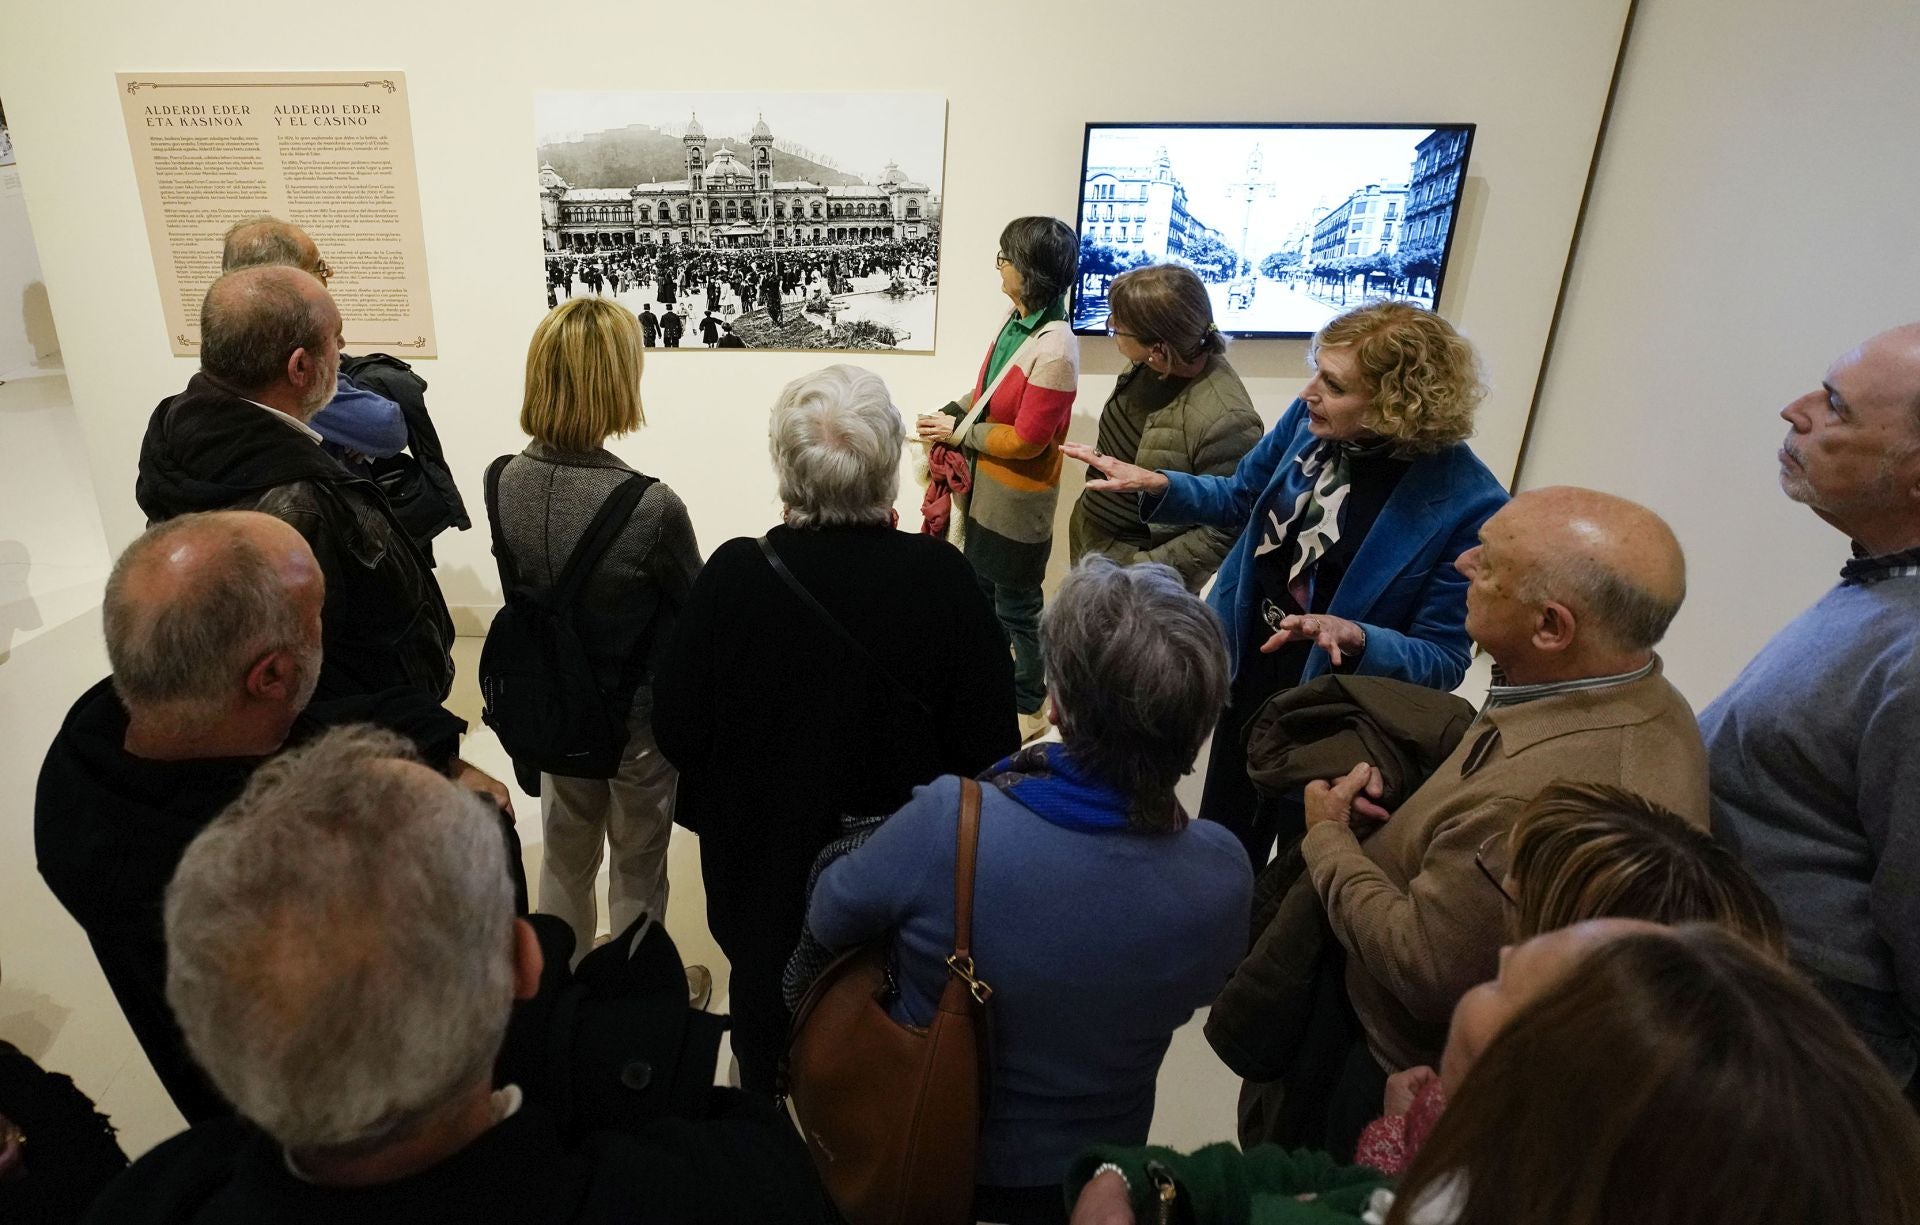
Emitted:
<point x="1013" y="445"/>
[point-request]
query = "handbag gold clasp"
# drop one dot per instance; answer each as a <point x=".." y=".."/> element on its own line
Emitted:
<point x="963" y="966"/>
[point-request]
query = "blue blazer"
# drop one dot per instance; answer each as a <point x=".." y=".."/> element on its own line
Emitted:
<point x="1401" y="583"/>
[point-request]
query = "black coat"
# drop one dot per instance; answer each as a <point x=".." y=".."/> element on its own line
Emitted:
<point x="743" y="1166"/>
<point x="384" y="622"/>
<point x="109" y="828"/>
<point x="778" y="727"/>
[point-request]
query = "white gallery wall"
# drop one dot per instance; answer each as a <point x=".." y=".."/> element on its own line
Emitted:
<point x="1020" y="79"/>
<point x="1754" y="216"/>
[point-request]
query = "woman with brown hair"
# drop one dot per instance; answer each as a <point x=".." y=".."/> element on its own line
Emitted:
<point x="1178" y="408"/>
<point x="1679" y="1078"/>
<point x="1582" y="850"/>
<point x="1349" y="516"/>
<point x="1651" y="1077"/>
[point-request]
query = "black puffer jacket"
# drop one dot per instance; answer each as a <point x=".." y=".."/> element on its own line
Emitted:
<point x="385" y="622"/>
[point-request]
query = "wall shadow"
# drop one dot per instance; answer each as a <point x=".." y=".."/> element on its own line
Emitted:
<point x="18" y="611"/>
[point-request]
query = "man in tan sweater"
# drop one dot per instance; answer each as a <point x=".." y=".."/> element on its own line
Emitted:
<point x="1570" y="590"/>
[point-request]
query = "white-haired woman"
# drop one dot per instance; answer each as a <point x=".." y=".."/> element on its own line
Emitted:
<point x="786" y="711"/>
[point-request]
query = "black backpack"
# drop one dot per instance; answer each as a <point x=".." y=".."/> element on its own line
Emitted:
<point x="537" y="684"/>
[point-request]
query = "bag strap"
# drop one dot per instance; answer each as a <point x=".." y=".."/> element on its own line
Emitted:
<point x="985" y="397"/>
<point x="509" y="573"/>
<point x="608" y="522"/>
<point x="820" y="610"/>
<point x="965" y="856"/>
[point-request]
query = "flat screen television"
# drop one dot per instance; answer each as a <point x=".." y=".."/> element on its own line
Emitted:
<point x="1288" y="224"/>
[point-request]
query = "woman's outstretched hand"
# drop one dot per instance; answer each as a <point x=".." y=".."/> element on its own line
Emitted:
<point x="1118" y="476"/>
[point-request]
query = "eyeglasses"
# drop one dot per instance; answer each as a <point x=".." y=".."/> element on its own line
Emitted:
<point x="1114" y="331"/>
<point x="1000" y="261"/>
<point x="1497" y="845"/>
<point x="322" y="271"/>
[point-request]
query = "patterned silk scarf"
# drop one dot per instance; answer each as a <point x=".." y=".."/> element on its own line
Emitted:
<point x="1313" y="526"/>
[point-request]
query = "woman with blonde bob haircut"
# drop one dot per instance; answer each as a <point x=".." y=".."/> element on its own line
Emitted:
<point x="1347" y="519"/>
<point x="583" y="376"/>
<point x="582" y="388"/>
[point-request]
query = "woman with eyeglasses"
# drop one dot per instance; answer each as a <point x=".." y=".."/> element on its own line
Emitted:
<point x="1178" y="408"/>
<point x="1012" y="444"/>
<point x="1349" y="516"/>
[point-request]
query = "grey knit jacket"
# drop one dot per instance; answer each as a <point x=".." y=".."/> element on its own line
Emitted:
<point x="1205" y="431"/>
<point x="547" y="499"/>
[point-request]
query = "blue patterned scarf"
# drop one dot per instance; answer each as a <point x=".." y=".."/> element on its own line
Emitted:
<point x="1316" y="492"/>
<point x="1044" y="779"/>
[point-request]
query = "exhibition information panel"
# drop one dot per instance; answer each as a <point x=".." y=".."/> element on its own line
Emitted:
<point x="331" y="152"/>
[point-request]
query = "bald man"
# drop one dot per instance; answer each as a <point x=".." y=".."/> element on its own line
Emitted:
<point x="377" y="422"/>
<point x="1569" y="591"/>
<point x="238" y="437"/>
<point x="1815" y="748"/>
<point x="214" y="630"/>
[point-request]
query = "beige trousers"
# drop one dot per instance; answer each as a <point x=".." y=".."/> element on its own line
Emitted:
<point x="632" y="811"/>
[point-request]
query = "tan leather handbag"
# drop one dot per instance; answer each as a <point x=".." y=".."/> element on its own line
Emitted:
<point x="891" y="1112"/>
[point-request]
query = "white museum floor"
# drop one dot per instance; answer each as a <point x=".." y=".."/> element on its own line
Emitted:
<point x="54" y="1004"/>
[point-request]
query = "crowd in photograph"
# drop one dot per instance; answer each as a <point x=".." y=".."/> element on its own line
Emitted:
<point x="1573" y="953"/>
<point x="726" y="282"/>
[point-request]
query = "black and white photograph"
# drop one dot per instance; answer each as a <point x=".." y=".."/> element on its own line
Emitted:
<point x="6" y="138"/>
<point x="747" y="220"/>
<point x="1288" y="225"/>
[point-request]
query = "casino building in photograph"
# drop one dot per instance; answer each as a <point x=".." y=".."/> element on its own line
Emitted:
<point x="725" y="202"/>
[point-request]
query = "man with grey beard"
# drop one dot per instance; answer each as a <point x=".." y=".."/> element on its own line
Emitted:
<point x="1816" y="780"/>
<point x="238" y="438"/>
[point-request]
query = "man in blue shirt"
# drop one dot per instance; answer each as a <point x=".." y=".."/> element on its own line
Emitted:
<point x="1816" y="784"/>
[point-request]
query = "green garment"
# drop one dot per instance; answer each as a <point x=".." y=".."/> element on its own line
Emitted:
<point x="1220" y="1185"/>
<point x="1015" y="331"/>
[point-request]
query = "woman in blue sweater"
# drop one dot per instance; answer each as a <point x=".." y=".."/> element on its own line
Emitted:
<point x="1102" y="918"/>
<point x="1350" y="512"/>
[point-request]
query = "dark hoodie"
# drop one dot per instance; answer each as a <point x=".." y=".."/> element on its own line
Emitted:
<point x="384" y="622"/>
<point x="109" y="828"/>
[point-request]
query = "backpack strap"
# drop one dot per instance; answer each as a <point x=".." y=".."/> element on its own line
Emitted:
<point x="820" y="610"/>
<point x="509" y="573"/>
<point x="608" y="523"/>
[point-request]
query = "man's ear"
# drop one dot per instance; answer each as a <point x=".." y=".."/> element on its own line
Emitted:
<point x="1553" y="627"/>
<point x="528" y="961"/>
<point x="273" y="677"/>
<point x="303" y="369"/>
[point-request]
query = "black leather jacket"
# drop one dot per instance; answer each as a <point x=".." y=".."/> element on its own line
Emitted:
<point x="385" y="622"/>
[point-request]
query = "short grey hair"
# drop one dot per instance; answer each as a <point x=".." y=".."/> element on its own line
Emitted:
<point x="190" y="651"/>
<point x="252" y="320"/>
<point x="261" y="240"/>
<point x="836" y="438"/>
<point x="1138" y="669"/>
<point x="1628" y="615"/>
<point x="340" y="944"/>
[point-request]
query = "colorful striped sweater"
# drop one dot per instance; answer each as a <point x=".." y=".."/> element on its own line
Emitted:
<point x="1015" y="449"/>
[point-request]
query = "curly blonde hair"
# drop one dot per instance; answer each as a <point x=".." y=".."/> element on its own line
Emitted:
<point x="1425" y="375"/>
